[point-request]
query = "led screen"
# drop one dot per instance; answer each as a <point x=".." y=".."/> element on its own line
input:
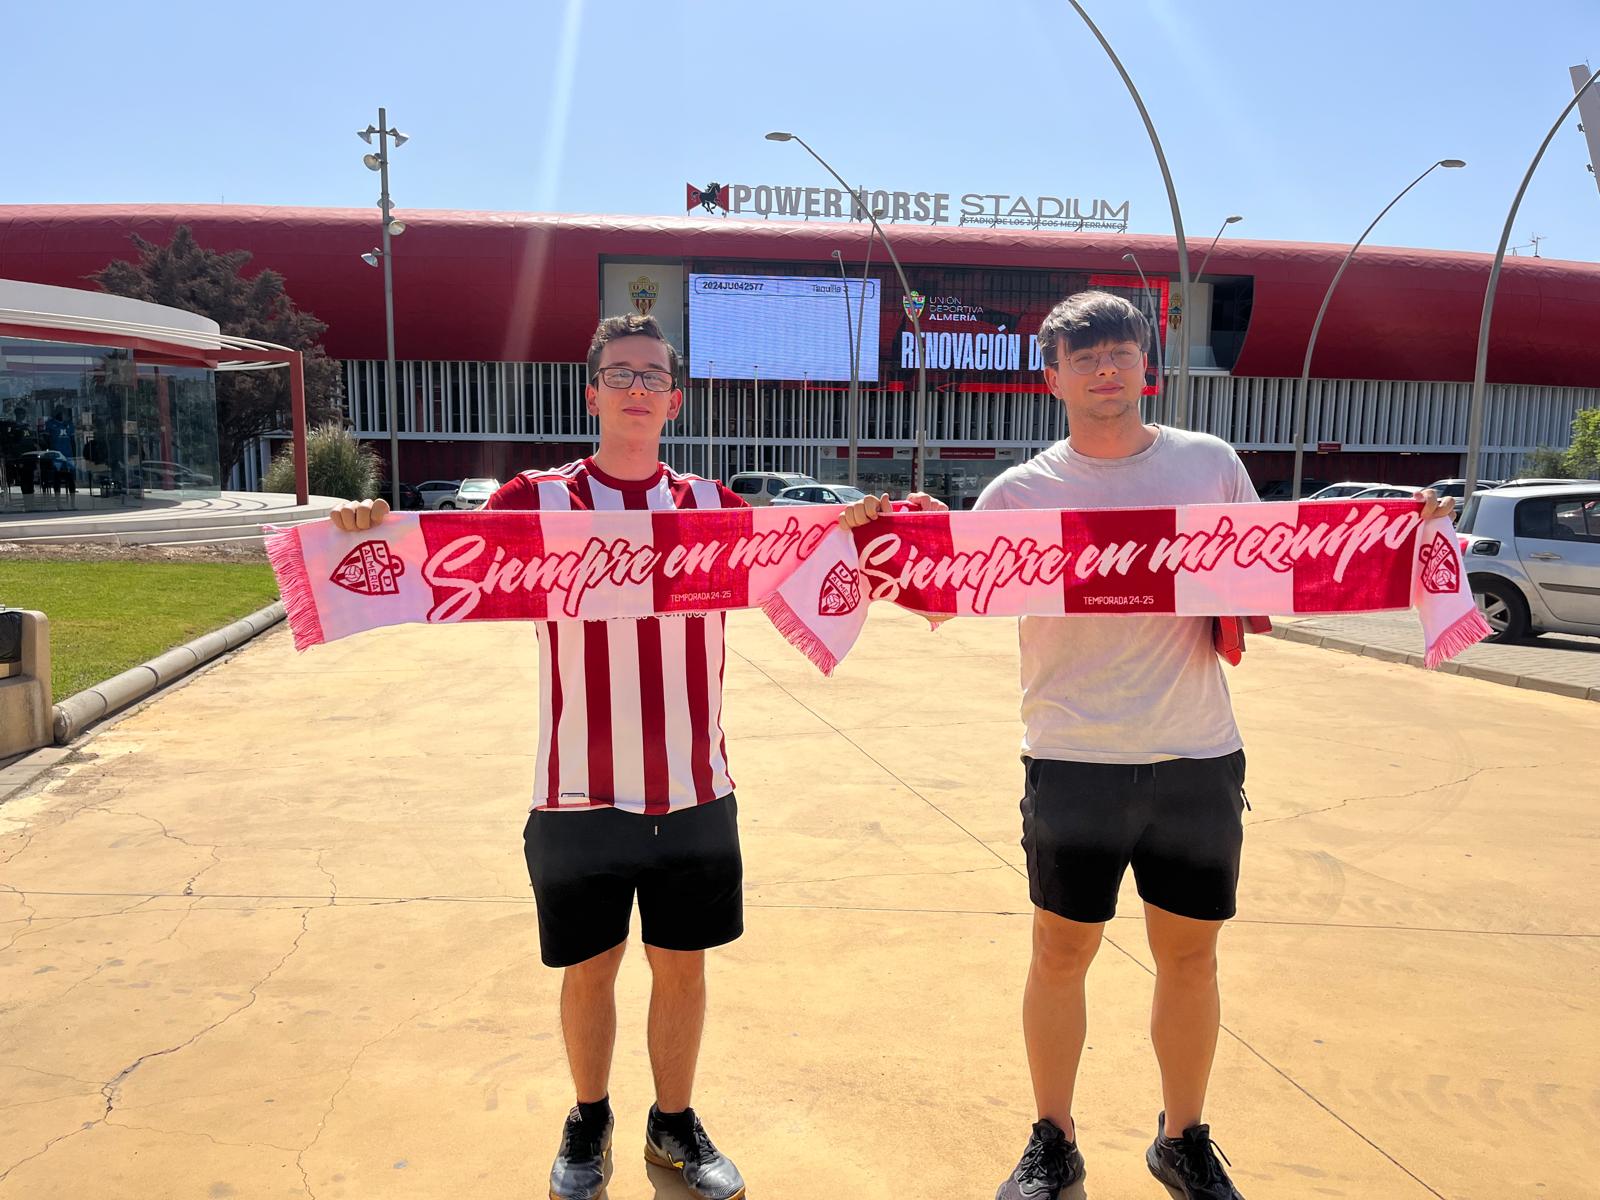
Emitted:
<point x="780" y="327"/>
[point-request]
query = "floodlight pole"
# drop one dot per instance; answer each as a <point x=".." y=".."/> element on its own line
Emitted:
<point x="385" y="207"/>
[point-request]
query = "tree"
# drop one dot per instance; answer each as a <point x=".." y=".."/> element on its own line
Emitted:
<point x="185" y="275"/>
<point x="1583" y="456"/>
<point x="1544" y="463"/>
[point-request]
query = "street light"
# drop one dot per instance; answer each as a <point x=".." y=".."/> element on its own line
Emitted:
<point x="1155" y="325"/>
<point x="1475" y="412"/>
<point x="391" y="228"/>
<point x="1182" y="399"/>
<point x="854" y="422"/>
<point x="1184" y="337"/>
<point x="855" y="377"/>
<point x="920" y="474"/>
<point x="1300" y="397"/>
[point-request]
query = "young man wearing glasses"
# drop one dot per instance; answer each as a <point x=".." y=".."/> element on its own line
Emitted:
<point x="631" y="788"/>
<point x="1131" y="757"/>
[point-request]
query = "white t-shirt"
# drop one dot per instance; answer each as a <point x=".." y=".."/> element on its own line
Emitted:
<point x="1124" y="689"/>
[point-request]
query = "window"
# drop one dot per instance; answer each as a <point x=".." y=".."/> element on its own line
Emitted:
<point x="1560" y="519"/>
<point x="1578" y="519"/>
<point x="746" y="485"/>
<point x="774" y="486"/>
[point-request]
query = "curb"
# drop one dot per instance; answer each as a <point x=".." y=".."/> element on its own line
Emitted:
<point x="76" y="713"/>
<point x="1575" y="691"/>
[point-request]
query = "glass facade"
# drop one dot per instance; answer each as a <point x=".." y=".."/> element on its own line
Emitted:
<point x="87" y="427"/>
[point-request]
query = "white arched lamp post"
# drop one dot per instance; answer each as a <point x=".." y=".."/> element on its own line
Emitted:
<point x="1300" y="396"/>
<point x="1181" y="416"/>
<point x="921" y="473"/>
<point x="1475" y="411"/>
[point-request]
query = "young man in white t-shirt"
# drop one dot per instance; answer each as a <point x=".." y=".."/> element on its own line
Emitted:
<point x="1131" y="757"/>
<point x="631" y="790"/>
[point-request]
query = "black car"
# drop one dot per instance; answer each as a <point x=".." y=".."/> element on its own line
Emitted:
<point x="410" y="497"/>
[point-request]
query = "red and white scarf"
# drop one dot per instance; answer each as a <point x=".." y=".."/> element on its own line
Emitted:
<point x="814" y="580"/>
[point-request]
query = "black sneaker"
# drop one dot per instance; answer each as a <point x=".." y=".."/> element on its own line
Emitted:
<point x="1189" y="1165"/>
<point x="708" y="1173"/>
<point x="579" y="1172"/>
<point x="1051" y="1162"/>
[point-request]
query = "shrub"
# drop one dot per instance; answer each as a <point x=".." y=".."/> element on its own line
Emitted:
<point x="337" y="462"/>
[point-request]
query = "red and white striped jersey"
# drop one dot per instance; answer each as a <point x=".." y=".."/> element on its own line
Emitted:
<point x="630" y="712"/>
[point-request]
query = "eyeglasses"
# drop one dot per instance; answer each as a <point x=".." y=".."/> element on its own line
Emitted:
<point x="622" y="378"/>
<point x="1087" y="362"/>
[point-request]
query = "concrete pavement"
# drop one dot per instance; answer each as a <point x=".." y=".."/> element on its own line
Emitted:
<point x="271" y="935"/>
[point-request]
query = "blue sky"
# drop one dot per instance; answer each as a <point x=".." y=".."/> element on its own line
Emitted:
<point x="1305" y="118"/>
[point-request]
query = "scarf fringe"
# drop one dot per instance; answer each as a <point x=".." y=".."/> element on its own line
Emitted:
<point x="294" y="585"/>
<point x="1465" y="631"/>
<point x="795" y="631"/>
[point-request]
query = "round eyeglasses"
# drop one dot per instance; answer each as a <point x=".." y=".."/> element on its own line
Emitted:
<point x="1087" y="362"/>
<point x="622" y="378"/>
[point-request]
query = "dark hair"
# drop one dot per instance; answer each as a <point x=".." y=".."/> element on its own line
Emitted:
<point x="631" y="325"/>
<point x="1089" y="319"/>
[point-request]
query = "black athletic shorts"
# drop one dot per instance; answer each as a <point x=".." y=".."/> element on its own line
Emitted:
<point x="586" y="867"/>
<point x="1179" y="823"/>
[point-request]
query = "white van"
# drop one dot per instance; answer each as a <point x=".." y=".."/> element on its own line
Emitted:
<point x="757" y="488"/>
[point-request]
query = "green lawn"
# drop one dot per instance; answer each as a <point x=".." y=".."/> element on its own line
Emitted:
<point x="110" y="615"/>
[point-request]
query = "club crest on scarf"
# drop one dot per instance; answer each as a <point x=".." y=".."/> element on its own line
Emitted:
<point x="841" y="592"/>
<point x="1440" y="574"/>
<point x="371" y="569"/>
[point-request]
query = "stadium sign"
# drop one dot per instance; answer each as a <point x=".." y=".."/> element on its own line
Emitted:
<point x="1006" y="210"/>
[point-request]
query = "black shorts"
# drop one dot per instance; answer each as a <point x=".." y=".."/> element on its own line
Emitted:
<point x="586" y="867"/>
<point x="1179" y="823"/>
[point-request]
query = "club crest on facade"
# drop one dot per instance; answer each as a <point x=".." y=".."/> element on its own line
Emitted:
<point x="644" y="292"/>
<point x="914" y="302"/>
<point x="371" y="569"/>
<point x="841" y="592"/>
<point x="1440" y="573"/>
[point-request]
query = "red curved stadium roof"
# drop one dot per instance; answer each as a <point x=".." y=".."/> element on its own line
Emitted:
<point x="525" y="287"/>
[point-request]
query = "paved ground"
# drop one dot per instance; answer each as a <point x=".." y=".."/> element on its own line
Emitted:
<point x="1565" y="664"/>
<point x="271" y="936"/>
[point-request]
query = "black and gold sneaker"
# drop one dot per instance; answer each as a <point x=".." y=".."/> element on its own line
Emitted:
<point x="579" y="1172"/>
<point x="1191" y="1165"/>
<point x="1050" y="1163"/>
<point x="680" y="1143"/>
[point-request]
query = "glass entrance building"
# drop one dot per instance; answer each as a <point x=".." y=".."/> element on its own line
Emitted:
<point x="94" y="426"/>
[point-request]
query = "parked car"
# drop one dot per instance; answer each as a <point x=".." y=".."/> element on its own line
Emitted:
<point x="1283" y="489"/>
<point x="757" y="488"/>
<point x="819" y="493"/>
<point x="410" y="497"/>
<point x="1455" y="487"/>
<point x="1387" y="491"/>
<point x="439" y="493"/>
<point x="1533" y="558"/>
<point x="1531" y="482"/>
<point x="1337" y="491"/>
<point x="474" y="493"/>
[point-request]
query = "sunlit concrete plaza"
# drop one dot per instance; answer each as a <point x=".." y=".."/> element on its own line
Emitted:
<point x="271" y="935"/>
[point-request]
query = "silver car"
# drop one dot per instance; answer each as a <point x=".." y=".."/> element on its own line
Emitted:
<point x="1533" y="558"/>
<point x="819" y="493"/>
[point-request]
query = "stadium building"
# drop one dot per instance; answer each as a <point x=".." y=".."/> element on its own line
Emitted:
<point x="493" y="312"/>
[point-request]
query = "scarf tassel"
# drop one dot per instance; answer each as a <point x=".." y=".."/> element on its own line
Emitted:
<point x="1464" y="632"/>
<point x="294" y="585"/>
